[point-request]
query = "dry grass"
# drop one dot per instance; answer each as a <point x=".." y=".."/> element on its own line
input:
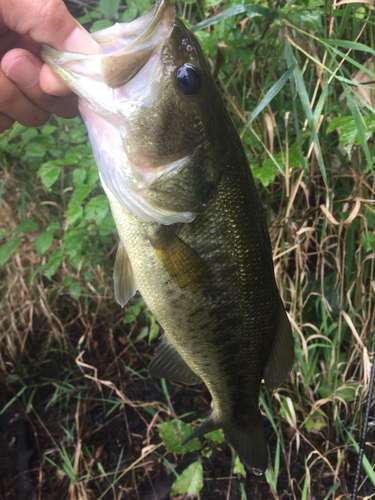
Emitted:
<point x="74" y="377"/>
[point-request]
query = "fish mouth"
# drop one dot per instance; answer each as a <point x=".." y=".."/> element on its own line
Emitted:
<point x="126" y="48"/>
<point x="121" y="66"/>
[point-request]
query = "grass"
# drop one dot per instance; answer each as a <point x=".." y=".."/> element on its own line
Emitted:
<point x="73" y="372"/>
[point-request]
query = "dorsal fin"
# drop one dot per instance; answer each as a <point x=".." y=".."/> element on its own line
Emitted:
<point x="125" y="285"/>
<point x="281" y="358"/>
<point x="168" y="363"/>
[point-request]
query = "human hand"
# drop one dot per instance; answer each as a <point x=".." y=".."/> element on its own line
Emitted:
<point x="29" y="90"/>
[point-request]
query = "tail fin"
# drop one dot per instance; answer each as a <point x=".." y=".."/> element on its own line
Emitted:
<point x="249" y="441"/>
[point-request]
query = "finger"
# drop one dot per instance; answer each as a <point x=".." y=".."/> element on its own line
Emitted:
<point x="15" y="105"/>
<point x="48" y="21"/>
<point x="50" y="83"/>
<point x="23" y="69"/>
<point x="5" y="122"/>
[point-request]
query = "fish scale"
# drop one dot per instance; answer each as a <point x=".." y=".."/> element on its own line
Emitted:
<point x="193" y="235"/>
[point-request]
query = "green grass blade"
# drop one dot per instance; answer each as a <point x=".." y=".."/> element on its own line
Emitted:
<point x="250" y="10"/>
<point x="273" y="91"/>
<point x="11" y="401"/>
<point x="332" y="490"/>
<point x="2" y="188"/>
<point x="361" y="130"/>
<point x="366" y="464"/>
<point x="291" y="62"/>
<point x="347" y="44"/>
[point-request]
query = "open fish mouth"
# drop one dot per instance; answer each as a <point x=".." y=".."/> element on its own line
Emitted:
<point x="126" y="48"/>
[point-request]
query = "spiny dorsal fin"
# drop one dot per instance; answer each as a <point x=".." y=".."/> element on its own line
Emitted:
<point x="167" y="363"/>
<point x="281" y="358"/>
<point x="125" y="286"/>
<point x="181" y="262"/>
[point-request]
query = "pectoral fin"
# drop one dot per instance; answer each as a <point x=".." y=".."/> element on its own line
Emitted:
<point x="167" y="363"/>
<point x="125" y="285"/>
<point x="281" y="358"/>
<point x="181" y="262"/>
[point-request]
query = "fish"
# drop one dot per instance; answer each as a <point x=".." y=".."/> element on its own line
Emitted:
<point x="193" y="234"/>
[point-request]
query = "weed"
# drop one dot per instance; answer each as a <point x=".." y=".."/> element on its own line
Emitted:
<point x="297" y="79"/>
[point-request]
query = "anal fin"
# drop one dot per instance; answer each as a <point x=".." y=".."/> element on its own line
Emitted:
<point x="123" y="276"/>
<point x="168" y="363"/>
<point x="281" y="358"/>
<point x="207" y="426"/>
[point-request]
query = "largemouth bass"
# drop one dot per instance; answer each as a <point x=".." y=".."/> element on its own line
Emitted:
<point x="193" y="236"/>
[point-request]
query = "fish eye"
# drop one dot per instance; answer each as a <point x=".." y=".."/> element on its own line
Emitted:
<point x="188" y="79"/>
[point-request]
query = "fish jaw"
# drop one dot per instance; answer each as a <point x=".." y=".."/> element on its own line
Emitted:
<point x="125" y="169"/>
<point x="125" y="48"/>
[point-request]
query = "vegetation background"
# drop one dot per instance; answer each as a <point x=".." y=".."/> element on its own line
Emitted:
<point x="79" y="417"/>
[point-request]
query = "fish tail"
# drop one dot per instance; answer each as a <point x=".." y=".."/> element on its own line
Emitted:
<point x="249" y="441"/>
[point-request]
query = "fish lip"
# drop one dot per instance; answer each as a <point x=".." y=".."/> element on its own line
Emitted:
<point x="120" y="66"/>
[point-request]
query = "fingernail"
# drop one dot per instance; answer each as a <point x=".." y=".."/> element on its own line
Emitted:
<point x="80" y="41"/>
<point x="23" y="72"/>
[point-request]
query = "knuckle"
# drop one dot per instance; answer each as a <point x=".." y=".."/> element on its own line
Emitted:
<point x="52" y="11"/>
<point x="5" y="123"/>
<point x="8" y="93"/>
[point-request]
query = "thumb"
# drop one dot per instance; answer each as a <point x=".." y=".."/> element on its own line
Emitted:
<point x="47" y="21"/>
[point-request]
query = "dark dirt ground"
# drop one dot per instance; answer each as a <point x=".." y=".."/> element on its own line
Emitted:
<point x="58" y="396"/>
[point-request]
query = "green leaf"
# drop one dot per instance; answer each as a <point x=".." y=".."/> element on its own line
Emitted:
<point x="238" y="467"/>
<point x="216" y="436"/>
<point x="53" y="226"/>
<point x="266" y="173"/>
<point x="345" y="392"/>
<point x="367" y="241"/>
<point x="4" y="232"/>
<point x="131" y="13"/>
<point x="129" y="318"/>
<point x="109" y="7"/>
<point x="52" y="265"/>
<point x="190" y="481"/>
<point x="26" y="226"/>
<point x="154" y="329"/>
<point x="102" y="24"/>
<point x="143" y="6"/>
<point x="35" y="149"/>
<point x="68" y="280"/>
<point x="315" y="421"/>
<point x="79" y="176"/>
<point x="73" y="214"/>
<point x="48" y="129"/>
<point x="75" y="290"/>
<point x="43" y="243"/>
<point x="49" y="172"/>
<point x="8" y="249"/>
<point x="173" y="433"/>
<point x="80" y="194"/>
<point x="97" y="208"/>
<point x="88" y="276"/>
